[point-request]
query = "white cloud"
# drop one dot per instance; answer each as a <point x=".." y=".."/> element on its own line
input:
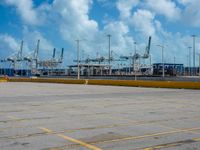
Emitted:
<point x="167" y="8"/>
<point x="143" y="20"/>
<point x="26" y="10"/>
<point x="9" y="41"/>
<point x="10" y="46"/>
<point x="125" y="7"/>
<point x="74" y="20"/>
<point x="184" y="2"/>
<point x="71" y="19"/>
<point x="31" y="38"/>
<point x="191" y="14"/>
<point x="122" y="43"/>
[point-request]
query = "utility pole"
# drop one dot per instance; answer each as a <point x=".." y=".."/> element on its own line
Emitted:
<point x="174" y="69"/>
<point x="149" y="64"/>
<point x="150" y="61"/>
<point x="78" y="57"/>
<point x="130" y="63"/>
<point x="199" y="64"/>
<point x="134" y="59"/>
<point x="78" y="63"/>
<point x="20" y="57"/>
<point x="163" y="66"/>
<point x="21" y="49"/>
<point x="36" y="55"/>
<point x="135" y="44"/>
<point x="109" y="54"/>
<point x="194" y="39"/>
<point x="1" y="67"/>
<point x="189" y="69"/>
<point x="174" y="61"/>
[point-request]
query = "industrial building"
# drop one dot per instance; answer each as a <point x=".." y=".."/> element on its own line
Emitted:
<point x="169" y="69"/>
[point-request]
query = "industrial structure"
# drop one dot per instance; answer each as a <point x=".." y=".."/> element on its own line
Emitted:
<point x="20" y="64"/>
<point x="136" y="59"/>
<point x="102" y="65"/>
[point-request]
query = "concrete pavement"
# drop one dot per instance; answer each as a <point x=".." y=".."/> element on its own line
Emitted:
<point x="42" y="116"/>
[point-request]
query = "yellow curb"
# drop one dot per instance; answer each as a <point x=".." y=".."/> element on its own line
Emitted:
<point x="132" y="83"/>
<point x="3" y="80"/>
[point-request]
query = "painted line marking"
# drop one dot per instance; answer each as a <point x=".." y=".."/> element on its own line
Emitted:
<point x="147" y="135"/>
<point x="120" y="139"/>
<point x="167" y="127"/>
<point x="12" y="127"/>
<point x="175" y="130"/>
<point x="173" y="144"/>
<point x="13" y="118"/>
<point x="92" y="147"/>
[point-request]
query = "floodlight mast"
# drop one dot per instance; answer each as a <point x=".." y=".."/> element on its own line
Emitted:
<point x="78" y="57"/>
<point x="36" y="54"/>
<point x="189" y="59"/>
<point x="199" y="64"/>
<point x="194" y="53"/>
<point x="109" y="53"/>
<point x="163" y="66"/>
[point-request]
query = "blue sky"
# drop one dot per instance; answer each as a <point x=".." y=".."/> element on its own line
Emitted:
<point x="58" y="23"/>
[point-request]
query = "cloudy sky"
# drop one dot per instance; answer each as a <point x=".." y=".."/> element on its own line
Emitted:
<point x="58" y="23"/>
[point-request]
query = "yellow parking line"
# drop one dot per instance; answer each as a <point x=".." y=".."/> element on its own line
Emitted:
<point x="92" y="147"/>
<point x="167" y="127"/>
<point x="197" y="139"/>
<point x="173" y="144"/>
<point x="13" y="118"/>
<point x="48" y="131"/>
<point x="12" y="127"/>
<point x="147" y="135"/>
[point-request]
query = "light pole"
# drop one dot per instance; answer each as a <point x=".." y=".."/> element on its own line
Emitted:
<point x="135" y="45"/>
<point x="0" y="70"/>
<point x="174" y="61"/>
<point x="109" y="53"/>
<point x="189" y="48"/>
<point x="199" y="62"/>
<point x="163" y="66"/>
<point x="130" y="63"/>
<point x="149" y="70"/>
<point x="78" y="63"/>
<point x="134" y="57"/>
<point x="194" y="39"/>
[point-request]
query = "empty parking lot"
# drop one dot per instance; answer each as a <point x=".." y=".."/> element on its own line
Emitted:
<point x="42" y="116"/>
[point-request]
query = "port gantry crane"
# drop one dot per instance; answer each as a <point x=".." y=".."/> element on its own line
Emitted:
<point x="100" y="59"/>
<point x="100" y="64"/>
<point x="32" y="60"/>
<point x="36" y="63"/>
<point x="137" y="57"/>
<point x="15" y="58"/>
<point x="52" y="62"/>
